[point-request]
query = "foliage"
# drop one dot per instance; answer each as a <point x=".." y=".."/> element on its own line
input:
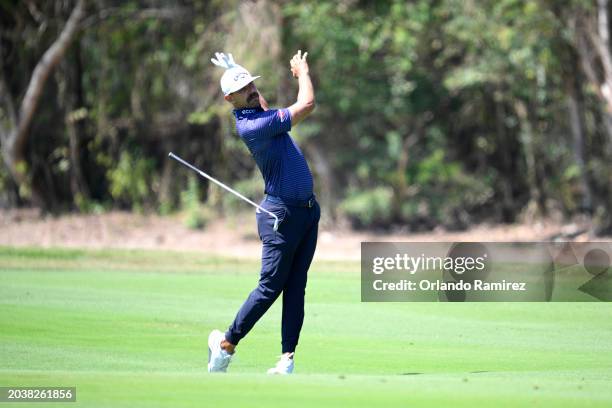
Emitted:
<point x="428" y="113"/>
<point x="131" y="180"/>
<point x="196" y="215"/>
<point x="369" y="208"/>
<point x="251" y="188"/>
<point x="446" y="195"/>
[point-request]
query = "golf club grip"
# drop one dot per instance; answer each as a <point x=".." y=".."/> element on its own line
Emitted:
<point x="220" y="184"/>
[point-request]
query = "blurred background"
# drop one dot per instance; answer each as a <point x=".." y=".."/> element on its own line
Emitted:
<point x="443" y="115"/>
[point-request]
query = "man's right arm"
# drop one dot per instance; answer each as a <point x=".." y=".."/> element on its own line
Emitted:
<point x="305" y="103"/>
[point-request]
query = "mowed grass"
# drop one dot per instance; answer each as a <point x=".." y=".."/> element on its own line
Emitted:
<point x="129" y="329"/>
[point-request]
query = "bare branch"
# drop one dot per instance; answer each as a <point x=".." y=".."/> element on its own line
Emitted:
<point x="602" y="22"/>
<point x="35" y="12"/>
<point x="44" y="67"/>
<point x="587" y="60"/>
<point x="585" y="47"/>
<point x="603" y="51"/>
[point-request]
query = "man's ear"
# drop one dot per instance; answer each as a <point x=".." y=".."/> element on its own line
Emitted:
<point x="228" y="98"/>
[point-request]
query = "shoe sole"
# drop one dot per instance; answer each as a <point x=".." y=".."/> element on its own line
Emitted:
<point x="274" y="371"/>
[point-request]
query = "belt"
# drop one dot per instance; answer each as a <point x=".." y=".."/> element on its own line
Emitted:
<point x="291" y="202"/>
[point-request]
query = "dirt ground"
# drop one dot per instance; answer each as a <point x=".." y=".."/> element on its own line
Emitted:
<point x="236" y="236"/>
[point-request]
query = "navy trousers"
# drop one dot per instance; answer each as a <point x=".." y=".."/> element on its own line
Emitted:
<point x="285" y="259"/>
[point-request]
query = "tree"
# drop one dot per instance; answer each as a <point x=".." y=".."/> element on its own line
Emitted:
<point x="14" y="132"/>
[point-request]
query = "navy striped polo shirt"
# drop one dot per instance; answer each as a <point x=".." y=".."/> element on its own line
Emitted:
<point x="282" y="164"/>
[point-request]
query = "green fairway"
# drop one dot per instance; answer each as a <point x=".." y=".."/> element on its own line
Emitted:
<point x="129" y="329"/>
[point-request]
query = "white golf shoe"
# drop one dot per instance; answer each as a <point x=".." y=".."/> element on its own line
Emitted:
<point x="284" y="365"/>
<point x="218" y="359"/>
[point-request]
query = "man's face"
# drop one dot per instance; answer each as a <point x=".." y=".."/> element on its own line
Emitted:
<point x="247" y="97"/>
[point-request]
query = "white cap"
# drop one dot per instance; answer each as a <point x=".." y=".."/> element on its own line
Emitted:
<point x="235" y="78"/>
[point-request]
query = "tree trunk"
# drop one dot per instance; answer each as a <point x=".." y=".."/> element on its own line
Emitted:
<point x="592" y="42"/>
<point x="74" y="126"/>
<point x="575" y="105"/>
<point x="507" y="209"/>
<point x="166" y="197"/>
<point x="14" y="140"/>
<point x="528" y="142"/>
<point x="402" y="189"/>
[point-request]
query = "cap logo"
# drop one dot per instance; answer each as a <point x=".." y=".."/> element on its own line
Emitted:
<point x="240" y="75"/>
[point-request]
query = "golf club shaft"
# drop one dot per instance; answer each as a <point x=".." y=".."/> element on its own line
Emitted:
<point x="220" y="184"/>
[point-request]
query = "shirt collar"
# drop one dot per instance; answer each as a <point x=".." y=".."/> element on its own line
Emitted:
<point x="247" y="111"/>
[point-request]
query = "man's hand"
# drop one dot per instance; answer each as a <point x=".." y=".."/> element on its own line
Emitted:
<point x="305" y="103"/>
<point x="298" y="63"/>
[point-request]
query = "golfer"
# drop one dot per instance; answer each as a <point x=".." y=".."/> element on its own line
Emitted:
<point x="288" y="251"/>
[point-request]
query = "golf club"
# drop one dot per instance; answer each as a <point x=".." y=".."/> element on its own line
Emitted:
<point x="231" y="190"/>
